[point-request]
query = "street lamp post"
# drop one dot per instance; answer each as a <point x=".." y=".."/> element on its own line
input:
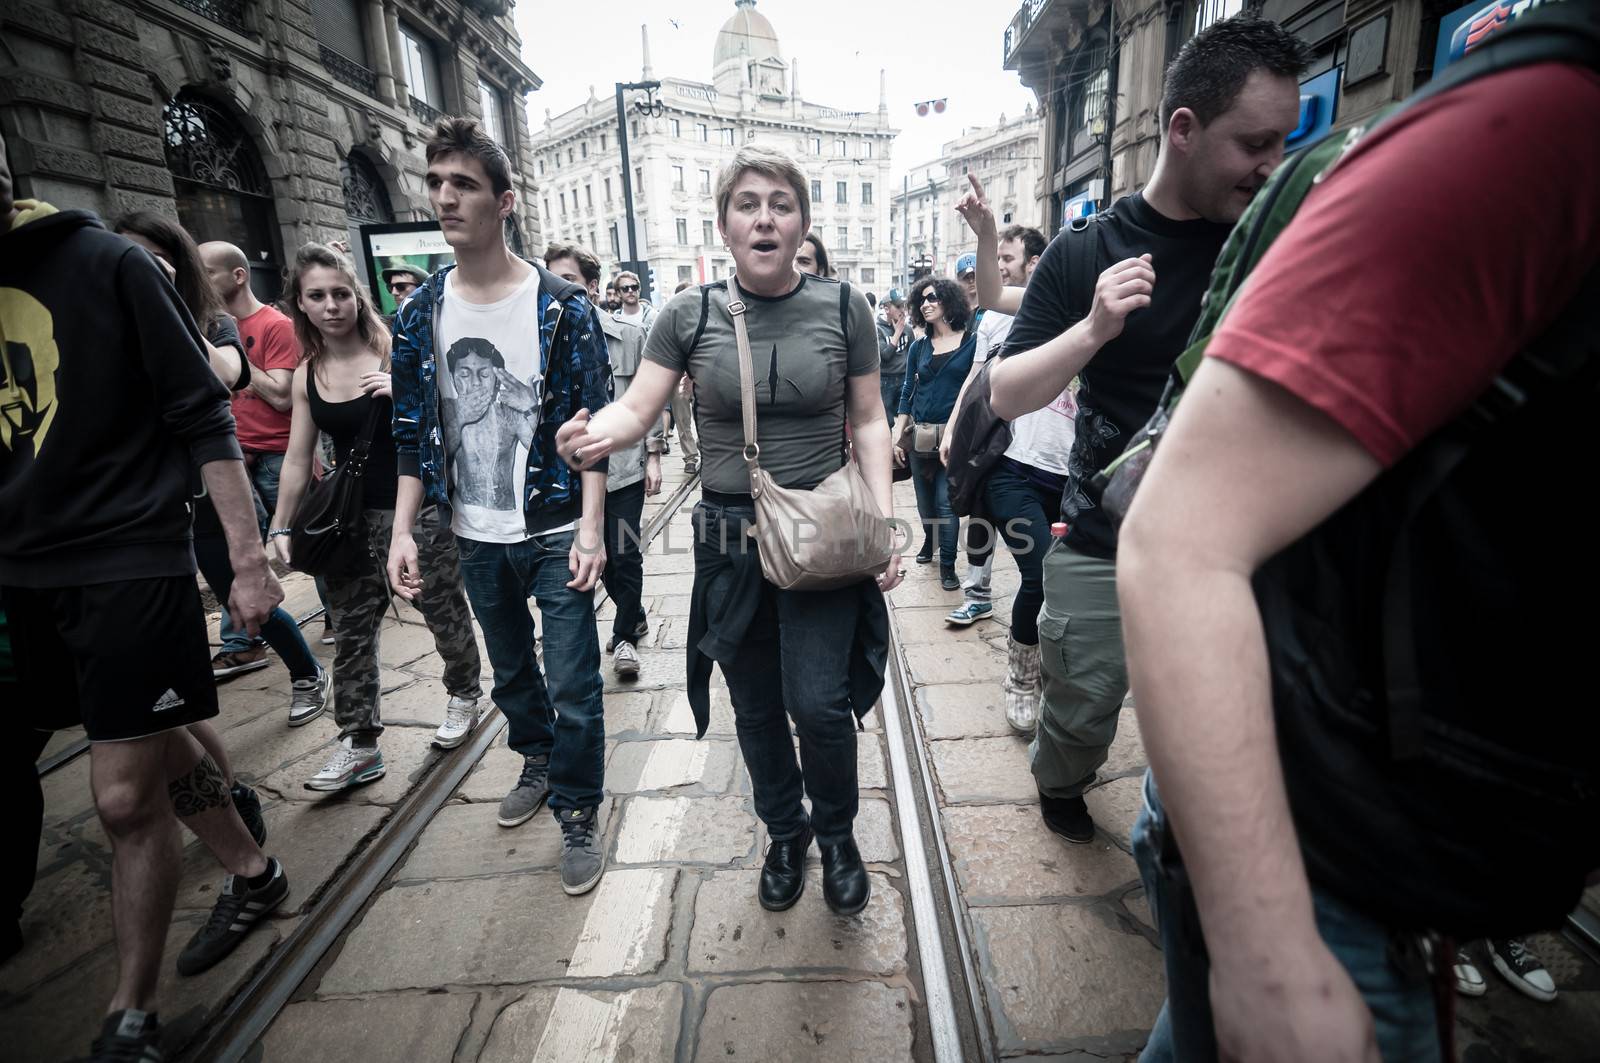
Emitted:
<point x="647" y="106"/>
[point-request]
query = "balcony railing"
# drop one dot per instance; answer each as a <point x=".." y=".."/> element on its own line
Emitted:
<point x="1017" y="32"/>
<point x="229" y="13"/>
<point x="349" y="72"/>
<point x="425" y="111"/>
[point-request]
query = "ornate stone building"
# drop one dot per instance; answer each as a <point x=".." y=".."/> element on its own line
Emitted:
<point x="1005" y="156"/>
<point x="753" y="98"/>
<point x="264" y="122"/>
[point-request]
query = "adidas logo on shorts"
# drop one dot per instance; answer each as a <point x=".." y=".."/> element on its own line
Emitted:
<point x="169" y="700"/>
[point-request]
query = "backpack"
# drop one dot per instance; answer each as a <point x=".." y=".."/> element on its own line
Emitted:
<point x="1422" y="645"/>
<point x="978" y="436"/>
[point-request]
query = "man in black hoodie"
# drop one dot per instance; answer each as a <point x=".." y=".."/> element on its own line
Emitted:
<point x="105" y="400"/>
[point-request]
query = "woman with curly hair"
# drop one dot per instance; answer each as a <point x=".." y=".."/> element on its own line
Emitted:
<point x="936" y="366"/>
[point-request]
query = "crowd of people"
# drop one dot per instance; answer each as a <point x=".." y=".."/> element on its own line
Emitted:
<point x="1319" y="593"/>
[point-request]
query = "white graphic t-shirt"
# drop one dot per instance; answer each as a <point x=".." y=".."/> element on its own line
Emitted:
<point x="491" y="389"/>
<point x="1043" y="438"/>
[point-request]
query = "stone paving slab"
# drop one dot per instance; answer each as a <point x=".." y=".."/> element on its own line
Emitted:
<point x="59" y="1019"/>
<point x="465" y="840"/>
<point x="984" y="771"/>
<point x="311" y="839"/>
<point x="955" y="662"/>
<point x="733" y="933"/>
<point x="1115" y="805"/>
<point x="267" y="744"/>
<point x="66" y="918"/>
<point x="1062" y="977"/>
<point x="1004" y="854"/>
<point x="507" y="928"/>
<point x="872" y="770"/>
<point x="963" y="710"/>
<point x="567" y="1024"/>
<point x="409" y="1026"/>
<point x="926" y="626"/>
<point x="685" y="830"/>
<point x="794" y="1022"/>
<point x="643" y="767"/>
<point x="673" y="716"/>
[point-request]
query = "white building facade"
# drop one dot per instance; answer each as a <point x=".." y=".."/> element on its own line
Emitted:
<point x="753" y="98"/>
<point x="1005" y="157"/>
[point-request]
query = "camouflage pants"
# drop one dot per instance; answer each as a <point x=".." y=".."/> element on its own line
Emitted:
<point x="356" y="602"/>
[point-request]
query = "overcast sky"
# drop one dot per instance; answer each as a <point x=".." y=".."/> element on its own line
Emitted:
<point x="930" y="48"/>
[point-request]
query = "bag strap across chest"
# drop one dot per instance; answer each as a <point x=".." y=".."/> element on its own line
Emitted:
<point x="747" y="381"/>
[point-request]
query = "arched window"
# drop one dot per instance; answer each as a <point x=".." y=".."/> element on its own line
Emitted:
<point x="222" y="188"/>
<point x="366" y="202"/>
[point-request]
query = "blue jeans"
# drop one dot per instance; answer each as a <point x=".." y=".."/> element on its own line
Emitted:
<point x="1401" y="1002"/>
<point x="279" y="629"/>
<point x="932" y="485"/>
<point x="890" y="384"/>
<point x="1022" y="511"/>
<point x="263" y="471"/>
<point x="559" y="713"/>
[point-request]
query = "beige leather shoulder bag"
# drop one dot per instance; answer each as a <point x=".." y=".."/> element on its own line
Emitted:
<point x="830" y="536"/>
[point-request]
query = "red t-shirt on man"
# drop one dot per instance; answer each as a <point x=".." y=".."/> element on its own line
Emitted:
<point x="269" y="343"/>
<point x="1442" y="244"/>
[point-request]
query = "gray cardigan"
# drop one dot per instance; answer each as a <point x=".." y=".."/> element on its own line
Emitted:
<point x="625" y="344"/>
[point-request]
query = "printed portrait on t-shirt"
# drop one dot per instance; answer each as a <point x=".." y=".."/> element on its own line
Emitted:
<point x="29" y="360"/>
<point x="489" y="419"/>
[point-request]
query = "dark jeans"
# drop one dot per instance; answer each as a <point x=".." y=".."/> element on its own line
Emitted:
<point x="558" y="713"/>
<point x="890" y="384"/>
<point x="794" y="663"/>
<point x="263" y="470"/>
<point x="279" y="630"/>
<point x="1401" y="1002"/>
<point x="1021" y="511"/>
<point x="624" y="573"/>
<point x="932" y="485"/>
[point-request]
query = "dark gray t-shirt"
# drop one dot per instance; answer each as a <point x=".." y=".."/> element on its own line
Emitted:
<point x="801" y="354"/>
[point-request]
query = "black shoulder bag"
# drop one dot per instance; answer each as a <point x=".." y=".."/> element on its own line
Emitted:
<point x="328" y="533"/>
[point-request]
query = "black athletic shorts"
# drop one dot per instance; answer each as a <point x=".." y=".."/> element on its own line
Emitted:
<point x="125" y="659"/>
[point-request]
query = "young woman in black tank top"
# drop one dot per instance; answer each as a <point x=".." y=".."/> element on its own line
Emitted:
<point x="346" y="373"/>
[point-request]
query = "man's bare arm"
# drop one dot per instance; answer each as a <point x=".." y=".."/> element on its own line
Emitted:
<point x="273" y="387"/>
<point x="255" y="590"/>
<point x="1245" y="470"/>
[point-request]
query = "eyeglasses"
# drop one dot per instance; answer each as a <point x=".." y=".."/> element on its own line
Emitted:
<point x="929" y="297"/>
<point x="627" y="287"/>
<point x="401" y="286"/>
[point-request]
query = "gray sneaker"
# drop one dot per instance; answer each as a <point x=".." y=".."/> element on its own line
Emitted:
<point x="308" y="698"/>
<point x="583" y="849"/>
<point x="533" y="786"/>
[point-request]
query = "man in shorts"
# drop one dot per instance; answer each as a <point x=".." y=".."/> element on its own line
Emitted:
<point x="108" y="402"/>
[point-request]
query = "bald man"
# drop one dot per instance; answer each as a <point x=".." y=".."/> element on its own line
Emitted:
<point x="261" y="410"/>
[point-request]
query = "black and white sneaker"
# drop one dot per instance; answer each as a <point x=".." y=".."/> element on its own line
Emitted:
<point x="128" y="1036"/>
<point x="1519" y="965"/>
<point x="238" y="910"/>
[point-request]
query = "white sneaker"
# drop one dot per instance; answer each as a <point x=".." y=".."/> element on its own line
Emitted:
<point x="460" y="717"/>
<point x="349" y="766"/>
<point x="1469" y="980"/>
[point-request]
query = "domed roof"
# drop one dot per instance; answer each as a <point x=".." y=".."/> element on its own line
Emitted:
<point x="747" y="35"/>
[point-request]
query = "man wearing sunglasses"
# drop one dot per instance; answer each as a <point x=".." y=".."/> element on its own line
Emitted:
<point x="401" y="280"/>
<point x="634" y="310"/>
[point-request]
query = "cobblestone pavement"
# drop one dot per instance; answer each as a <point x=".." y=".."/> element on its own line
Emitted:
<point x="471" y="951"/>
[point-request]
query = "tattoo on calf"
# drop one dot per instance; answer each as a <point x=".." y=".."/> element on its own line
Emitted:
<point x="201" y="790"/>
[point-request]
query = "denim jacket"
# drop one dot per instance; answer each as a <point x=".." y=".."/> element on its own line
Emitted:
<point x="577" y="372"/>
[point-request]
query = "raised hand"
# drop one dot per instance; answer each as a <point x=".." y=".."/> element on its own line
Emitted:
<point x="974" y="207"/>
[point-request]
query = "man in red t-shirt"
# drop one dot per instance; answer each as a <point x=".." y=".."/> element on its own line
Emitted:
<point x="1444" y="242"/>
<point x="260" y="410"/>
